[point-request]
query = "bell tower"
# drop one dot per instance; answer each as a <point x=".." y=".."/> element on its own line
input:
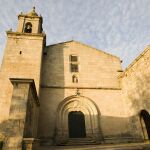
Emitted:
<point x="22" y="57"/>
<point x="20" y="80"/>
<point x="30" y="23"/>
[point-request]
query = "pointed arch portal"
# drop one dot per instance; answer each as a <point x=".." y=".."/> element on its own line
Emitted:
<point x="77" y="117"/>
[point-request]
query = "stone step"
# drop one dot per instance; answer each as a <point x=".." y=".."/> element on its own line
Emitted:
<point x="81" y="141"/>
<point x="129" y="146"/>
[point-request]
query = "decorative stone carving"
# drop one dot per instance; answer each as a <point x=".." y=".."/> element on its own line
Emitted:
<point x="90" y="111"/>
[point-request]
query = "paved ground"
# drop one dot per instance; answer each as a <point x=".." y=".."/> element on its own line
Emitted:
<point x="131" y="146"/>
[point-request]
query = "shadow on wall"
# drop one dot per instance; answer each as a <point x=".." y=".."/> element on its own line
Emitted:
<point x="9" y="128"/>
<point x="128" y="128"/>
<point x="111" y="127"/>
<point x="76" y="110"/>
<point x="52" y="72"/>
<point x="51" y="92"/>
<point x="110" y="130"/>
<point x="113" y="130"/>
<point x="139" y="94"/>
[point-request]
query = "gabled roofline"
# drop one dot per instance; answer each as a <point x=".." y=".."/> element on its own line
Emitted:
<point x="60" y="43"/>
<point x="84" y="45"/>
<point x="135" y="60"/>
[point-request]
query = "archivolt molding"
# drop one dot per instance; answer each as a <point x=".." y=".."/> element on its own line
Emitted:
<point x="87" y="107"/>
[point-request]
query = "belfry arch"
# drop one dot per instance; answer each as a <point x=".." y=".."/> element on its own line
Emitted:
<point x="86" y="107"/>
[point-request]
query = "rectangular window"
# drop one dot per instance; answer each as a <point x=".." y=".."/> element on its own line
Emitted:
<point x="74" y="67"/>
<point x="73" y="58"/>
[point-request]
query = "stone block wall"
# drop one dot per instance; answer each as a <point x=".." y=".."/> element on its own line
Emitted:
<point x="21" y="60"/>
<point x="96" y="68"/>
<point x="97" y="80"/>
<point x="14" y="129"/>
<point x="135" y="85"/>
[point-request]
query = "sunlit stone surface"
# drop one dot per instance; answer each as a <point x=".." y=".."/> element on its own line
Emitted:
<point x="69" y="93"/>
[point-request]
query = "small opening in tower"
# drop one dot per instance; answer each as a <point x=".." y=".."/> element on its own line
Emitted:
<point x="45" y="53"/>
<point x="28" y="27"/>
<point x="20" y="52"/>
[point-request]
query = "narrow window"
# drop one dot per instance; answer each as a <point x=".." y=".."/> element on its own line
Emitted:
<point x="74" y="65"/>
<point x="28" y="27"/>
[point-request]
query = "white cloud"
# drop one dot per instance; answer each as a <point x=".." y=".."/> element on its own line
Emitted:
<point x="121" y="27"/>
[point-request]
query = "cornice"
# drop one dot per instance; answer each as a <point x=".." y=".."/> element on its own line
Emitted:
<point x="27" y="16"/>
<point x="25" y="34"/>
<point x="72" y="87"/>
<point x="27" y="81"/>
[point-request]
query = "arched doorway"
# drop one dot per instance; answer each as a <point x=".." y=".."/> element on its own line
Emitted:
<point x="145" y="122"/>
<point x="86" y="112"/>
<point x="76" y="124"/>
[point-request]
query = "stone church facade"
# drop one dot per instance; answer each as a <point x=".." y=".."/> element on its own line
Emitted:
<point x="69" y="92"/>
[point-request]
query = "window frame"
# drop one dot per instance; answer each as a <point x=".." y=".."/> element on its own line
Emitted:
<point x="75" y="63"/>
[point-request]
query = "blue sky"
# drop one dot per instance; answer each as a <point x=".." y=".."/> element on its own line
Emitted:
<point x="119" y="27"/>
